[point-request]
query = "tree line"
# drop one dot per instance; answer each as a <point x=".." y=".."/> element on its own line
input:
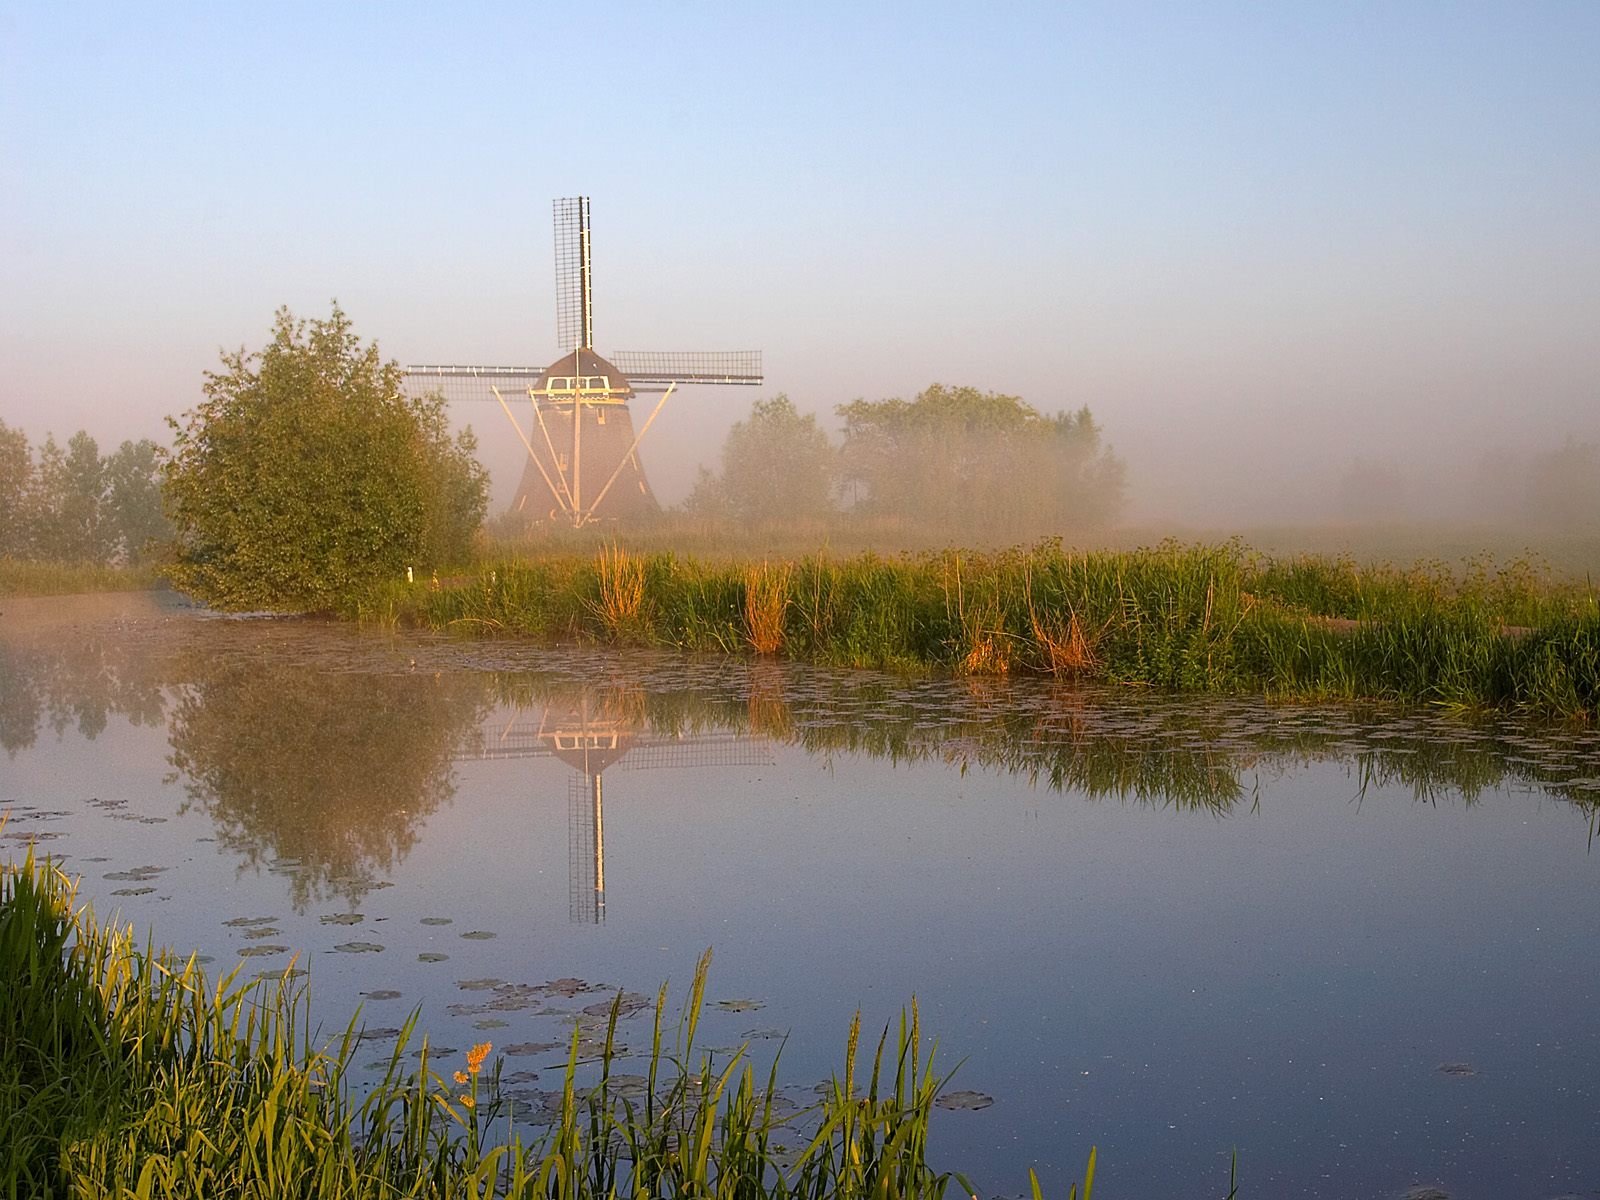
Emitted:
<point x="956" y="459"/>
<point x="72" y="504"/>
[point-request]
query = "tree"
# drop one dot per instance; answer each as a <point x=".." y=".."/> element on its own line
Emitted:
<point x="133" y="501"/>
<point x="68" y="503"/>
<point x="776" y="465"/>
<point x="16" y="489"/>
<point x="306" y="475"/>
<point x="979" y="463"/>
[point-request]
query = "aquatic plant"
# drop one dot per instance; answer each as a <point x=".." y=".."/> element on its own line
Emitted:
<point x="127" y="1072"/>
<point x="766" y="598"/>
<point x="1187" y="618"/>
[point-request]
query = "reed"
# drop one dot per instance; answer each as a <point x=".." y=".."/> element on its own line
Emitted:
<point x="621" y="583"/>
<point x="28" y="578"/>
<point x="127" y="1072"/>
<point x="1211" y="618"/>
<point x="766" y="600"/>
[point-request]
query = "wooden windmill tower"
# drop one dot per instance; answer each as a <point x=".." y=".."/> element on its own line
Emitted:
<point x="583" y="462"/>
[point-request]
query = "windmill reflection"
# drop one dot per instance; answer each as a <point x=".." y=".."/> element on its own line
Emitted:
<point x="592" y="734"/>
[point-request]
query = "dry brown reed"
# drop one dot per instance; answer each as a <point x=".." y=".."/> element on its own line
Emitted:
<point x="766" y="600"/>
<point x="621" y="578"/>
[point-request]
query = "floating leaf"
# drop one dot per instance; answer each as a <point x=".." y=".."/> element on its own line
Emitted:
<point x="963" y="1101"/>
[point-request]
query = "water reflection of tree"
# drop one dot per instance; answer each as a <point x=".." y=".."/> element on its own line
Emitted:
<point x="325" y="775"/>
<point x="1171" y="752"/>
<point x="77" y="682"/>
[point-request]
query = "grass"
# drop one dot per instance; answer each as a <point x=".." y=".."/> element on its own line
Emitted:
<point x="126" y="1072"/>
<point x="26" y="578"/>
<point x="1215" y="618"/>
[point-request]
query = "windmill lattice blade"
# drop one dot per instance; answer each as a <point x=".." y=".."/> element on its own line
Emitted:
<point x="573" y="319"/>
<point x="689" y="366"/>
<point x="469" y="383"/>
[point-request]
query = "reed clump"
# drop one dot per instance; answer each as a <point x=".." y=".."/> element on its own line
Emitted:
<point x="1213" y="618"/>
<point x="127" y="1072"/>
<point x="620" y="577"/>
<point x="766" y="599"/>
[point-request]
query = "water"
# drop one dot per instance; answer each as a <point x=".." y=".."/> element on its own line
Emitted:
<point x="1359" y="947"/>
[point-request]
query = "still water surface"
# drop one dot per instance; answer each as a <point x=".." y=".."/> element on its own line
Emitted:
<point x="1360" y="947"/>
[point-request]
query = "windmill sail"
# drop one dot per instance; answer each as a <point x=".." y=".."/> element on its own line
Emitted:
<point x="574" y="299"/>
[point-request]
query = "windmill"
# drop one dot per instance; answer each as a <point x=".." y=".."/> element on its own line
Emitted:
<point x="583" y="461"/>
<point x="593" y="732"/>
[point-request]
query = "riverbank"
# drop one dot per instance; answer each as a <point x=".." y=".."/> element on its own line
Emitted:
<point x="129" y="1072"/>
<point x="1211" y="618"/>
<point x="27" y="578"/>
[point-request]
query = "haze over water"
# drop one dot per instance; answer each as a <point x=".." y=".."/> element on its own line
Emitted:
<point x="1359" y="947"/>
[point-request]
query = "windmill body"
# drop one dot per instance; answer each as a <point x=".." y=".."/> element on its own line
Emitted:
<point x="582" y="443"/>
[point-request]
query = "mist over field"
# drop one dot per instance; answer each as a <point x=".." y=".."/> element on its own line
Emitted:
<point x="1313" y="267"/>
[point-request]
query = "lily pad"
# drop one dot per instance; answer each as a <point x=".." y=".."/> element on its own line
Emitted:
<point x="136" y="874"/>
<point x="740" y="1005"/>
<point x="247" y="922"/>
<point x="1458" y="1070"/>
<point x="478" y="985"/>
<point x="256" y="934"/>
<point x="357" y="948"/>
<point x="429" y="956"/>
<point x="478" y="935"/>
<point x="138" y="891"/>
<point x="382" y="994"/>
<point x="438" y="921"/>
<point x="260" y="951"/>
<point x="520" y="1049"/>
<point x="963" y="1101"/>
<point x="341" y="918"/>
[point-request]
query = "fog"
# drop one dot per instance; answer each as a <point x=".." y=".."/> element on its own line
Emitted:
<point x="1309" y="266"/>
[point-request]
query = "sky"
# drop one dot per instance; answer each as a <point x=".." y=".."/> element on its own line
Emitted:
<point x="1260" y="242"/>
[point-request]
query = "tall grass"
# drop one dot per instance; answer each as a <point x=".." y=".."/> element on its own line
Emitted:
<point x="1188" y="618"/>
<point x="126" y="1072"/>
<point x="27" y="578"/>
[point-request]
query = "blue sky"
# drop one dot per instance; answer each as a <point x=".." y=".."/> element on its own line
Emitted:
<point x="1259" y="241"/>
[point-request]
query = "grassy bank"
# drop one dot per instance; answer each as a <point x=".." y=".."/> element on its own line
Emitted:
<point x="1193" y="618"/>
<point x="126" y="1072"/>
<point x="20" y="578"/>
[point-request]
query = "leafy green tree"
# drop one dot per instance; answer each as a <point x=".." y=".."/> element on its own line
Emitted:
<point x="16" y="489"/>
<point x="69" y="515"/>
<point x="979" y="463"/>
<point x="133" y="501"/>
<point x="776" y="465"/>
<point x="306" y="475"/>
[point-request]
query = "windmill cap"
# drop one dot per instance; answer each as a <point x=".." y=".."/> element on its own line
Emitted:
<point x="586" y="363"/>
